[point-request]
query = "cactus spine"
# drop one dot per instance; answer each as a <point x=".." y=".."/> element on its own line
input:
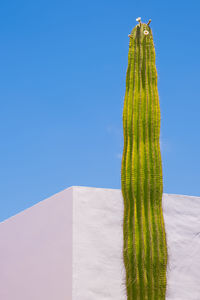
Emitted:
<point x="145" y="249"/>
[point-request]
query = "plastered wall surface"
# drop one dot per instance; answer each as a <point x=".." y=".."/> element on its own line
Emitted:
<point x="36" y="251"/>
<point x="69" y="246"/>
<point x="97" y="239"/>
<point x="98" y="270"/>
<point x="182" y="220"/>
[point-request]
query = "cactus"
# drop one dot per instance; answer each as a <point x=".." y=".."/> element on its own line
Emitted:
<point x="145" y="249"/>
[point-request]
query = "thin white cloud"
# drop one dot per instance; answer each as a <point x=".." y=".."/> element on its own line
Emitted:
<point x="119" y="155"/>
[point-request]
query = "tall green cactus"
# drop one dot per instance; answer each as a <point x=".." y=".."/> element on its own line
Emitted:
<point x="145" y="249"/>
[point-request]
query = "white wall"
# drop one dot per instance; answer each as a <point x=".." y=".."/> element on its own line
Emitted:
<point x="97" y="239"/>
<point x="97" y="245"/>
<point x="69" y="247"/>
<point x="182" y="221"/>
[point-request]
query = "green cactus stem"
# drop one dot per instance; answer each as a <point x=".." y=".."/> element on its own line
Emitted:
<point x="145" y="249"/>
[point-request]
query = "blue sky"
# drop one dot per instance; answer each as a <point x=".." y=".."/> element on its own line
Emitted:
<point x="62" y="74"/>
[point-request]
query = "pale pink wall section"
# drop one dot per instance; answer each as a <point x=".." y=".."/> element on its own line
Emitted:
<point x="36" y="251"/>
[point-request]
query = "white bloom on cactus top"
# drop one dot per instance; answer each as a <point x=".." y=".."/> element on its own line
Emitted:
<point x="146" y="32"/>
<point x="138" y="19"/>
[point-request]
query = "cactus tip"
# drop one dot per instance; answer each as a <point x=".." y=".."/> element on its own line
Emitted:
<point x="149" y="22"/>
<point x="138" y="19"/>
